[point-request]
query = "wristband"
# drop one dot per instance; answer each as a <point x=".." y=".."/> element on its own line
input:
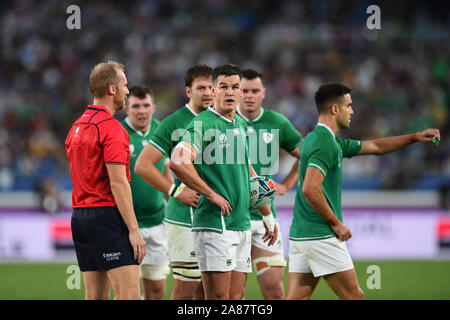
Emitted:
<point x="269" y="221"/>
<point x="333" y="221"/>
<point x="178" y="190"/>
<point x="172" y="190"/>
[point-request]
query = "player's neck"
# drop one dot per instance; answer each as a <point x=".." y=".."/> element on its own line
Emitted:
<point x="105" y="102"/>
<point x="330" y="122"/>
<point x="250" y="115"/>
<point x="229" y="115"/>
<point x="195" y="108"/>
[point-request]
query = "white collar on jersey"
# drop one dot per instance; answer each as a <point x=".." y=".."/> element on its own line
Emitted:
<point x="253" y="120"/>
<point x="136" y="130"/>
<point x="190" y="109"/>
<point x="224" y="118"/>
<point x="329" y="129"/>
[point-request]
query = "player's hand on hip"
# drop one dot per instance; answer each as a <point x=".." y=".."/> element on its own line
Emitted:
<point x="428" y="135"/>
<point x="222" y="203"/>
<point x="343" y="232"/>
<point x="138" y="245"/>
<point x="189" y="197"/>
<point x="270" y="236"/>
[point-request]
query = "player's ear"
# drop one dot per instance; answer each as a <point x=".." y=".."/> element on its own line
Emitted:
<point x="188" y="92"/>
<point x="111" y="90"/>
<point x="334" y="109"/>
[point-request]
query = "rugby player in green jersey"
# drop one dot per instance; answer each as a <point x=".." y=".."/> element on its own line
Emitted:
<point x="213" y="160"/>
<point x="317" y="236"/>
<point x="268" y="131"/>
<point x="148" y="202"/>
<point x="182" y="200"/>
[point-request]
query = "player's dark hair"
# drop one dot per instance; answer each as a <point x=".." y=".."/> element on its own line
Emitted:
<point x="140" y="91"/>
<point x="251" y="74"/>
<point x="329" y="93"/>
<point x="197" y="71"/>
<point x="226" y="70"/>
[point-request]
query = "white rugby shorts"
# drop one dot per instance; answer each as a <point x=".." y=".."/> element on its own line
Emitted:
<point x="258" y="231"/>
<point x="319" y="257"/>
<point x="156" y="245"/>
<point x="181" y="243"/>
<point x="222" y="252"/>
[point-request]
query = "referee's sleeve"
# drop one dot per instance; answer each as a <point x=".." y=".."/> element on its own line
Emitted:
<point x="115" y="142"/>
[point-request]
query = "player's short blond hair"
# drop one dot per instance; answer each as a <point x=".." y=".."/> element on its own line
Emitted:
<point x="103" y="75"/>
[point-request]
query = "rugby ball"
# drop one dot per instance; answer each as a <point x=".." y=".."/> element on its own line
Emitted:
<point x="262" y="191"/>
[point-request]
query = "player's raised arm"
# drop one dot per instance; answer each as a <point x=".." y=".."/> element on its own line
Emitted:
<point x="385" y="145"/>
<point x="181" y="163"/>
<point x="312" y="190"/>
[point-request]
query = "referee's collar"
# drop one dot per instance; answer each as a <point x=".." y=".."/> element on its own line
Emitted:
<point x="99" y="108"/>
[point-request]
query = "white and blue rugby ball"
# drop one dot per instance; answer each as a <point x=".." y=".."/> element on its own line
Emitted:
<point x="262" y="191"/>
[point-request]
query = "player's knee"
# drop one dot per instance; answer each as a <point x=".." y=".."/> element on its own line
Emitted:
<point x="152" y="272"/>
<point x="354" y="294"/>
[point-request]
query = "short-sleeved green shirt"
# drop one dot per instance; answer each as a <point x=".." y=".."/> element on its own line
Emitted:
<point x="169" y="134"/>
<point x="267" y="133"/>
<point x="148" y="202"/>
<point x="222" y="162"/>
<point x="324" y="151"/>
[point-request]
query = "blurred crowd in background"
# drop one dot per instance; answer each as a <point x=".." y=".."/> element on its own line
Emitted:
<point x="400" y="75"/>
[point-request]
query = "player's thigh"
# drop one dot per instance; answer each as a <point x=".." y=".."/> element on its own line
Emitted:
<point x="345" y="284"/>
<point x="96" y="284"/>
<point x="216" y="284"/>
<point x="124" y="278"/>
<point x="237" y="285"/>
<point x="266" y="261"/>
<point x="301" y="285"/>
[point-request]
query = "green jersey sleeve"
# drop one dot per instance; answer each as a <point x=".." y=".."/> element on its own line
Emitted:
<point x="323" y="157"/>
<point x="161" y="139"/>
<point x="349" y="147"/>
<point x="291" y="137"/>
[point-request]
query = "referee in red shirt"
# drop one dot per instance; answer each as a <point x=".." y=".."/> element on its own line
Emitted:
<point x="105" y="232"/>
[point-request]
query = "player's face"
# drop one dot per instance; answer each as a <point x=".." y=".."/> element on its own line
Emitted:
<point x="227" y="93"/>
<point x="253" y="93"/>
<point x="345" y="112"/>
<point x="121" y="91"/>
<point x="200" y="92"/>
<point x="140" y="111"/>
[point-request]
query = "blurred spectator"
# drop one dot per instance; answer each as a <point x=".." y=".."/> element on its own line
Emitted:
<point x="400" y="74"/>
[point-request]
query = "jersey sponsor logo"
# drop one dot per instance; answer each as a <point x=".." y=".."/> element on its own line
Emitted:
<point x="76" y="131"/>
<point x="132" y="150"/>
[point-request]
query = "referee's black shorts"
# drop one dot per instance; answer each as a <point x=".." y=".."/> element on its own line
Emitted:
<point x="101" y="239"/>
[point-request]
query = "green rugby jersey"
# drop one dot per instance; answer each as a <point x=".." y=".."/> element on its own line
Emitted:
<point x="169" y="133"/>
<point x="268" y="132"/>
<point x="148" y="202"/>
<point x="322" y="150"/>
<point x="222" y="162"/>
